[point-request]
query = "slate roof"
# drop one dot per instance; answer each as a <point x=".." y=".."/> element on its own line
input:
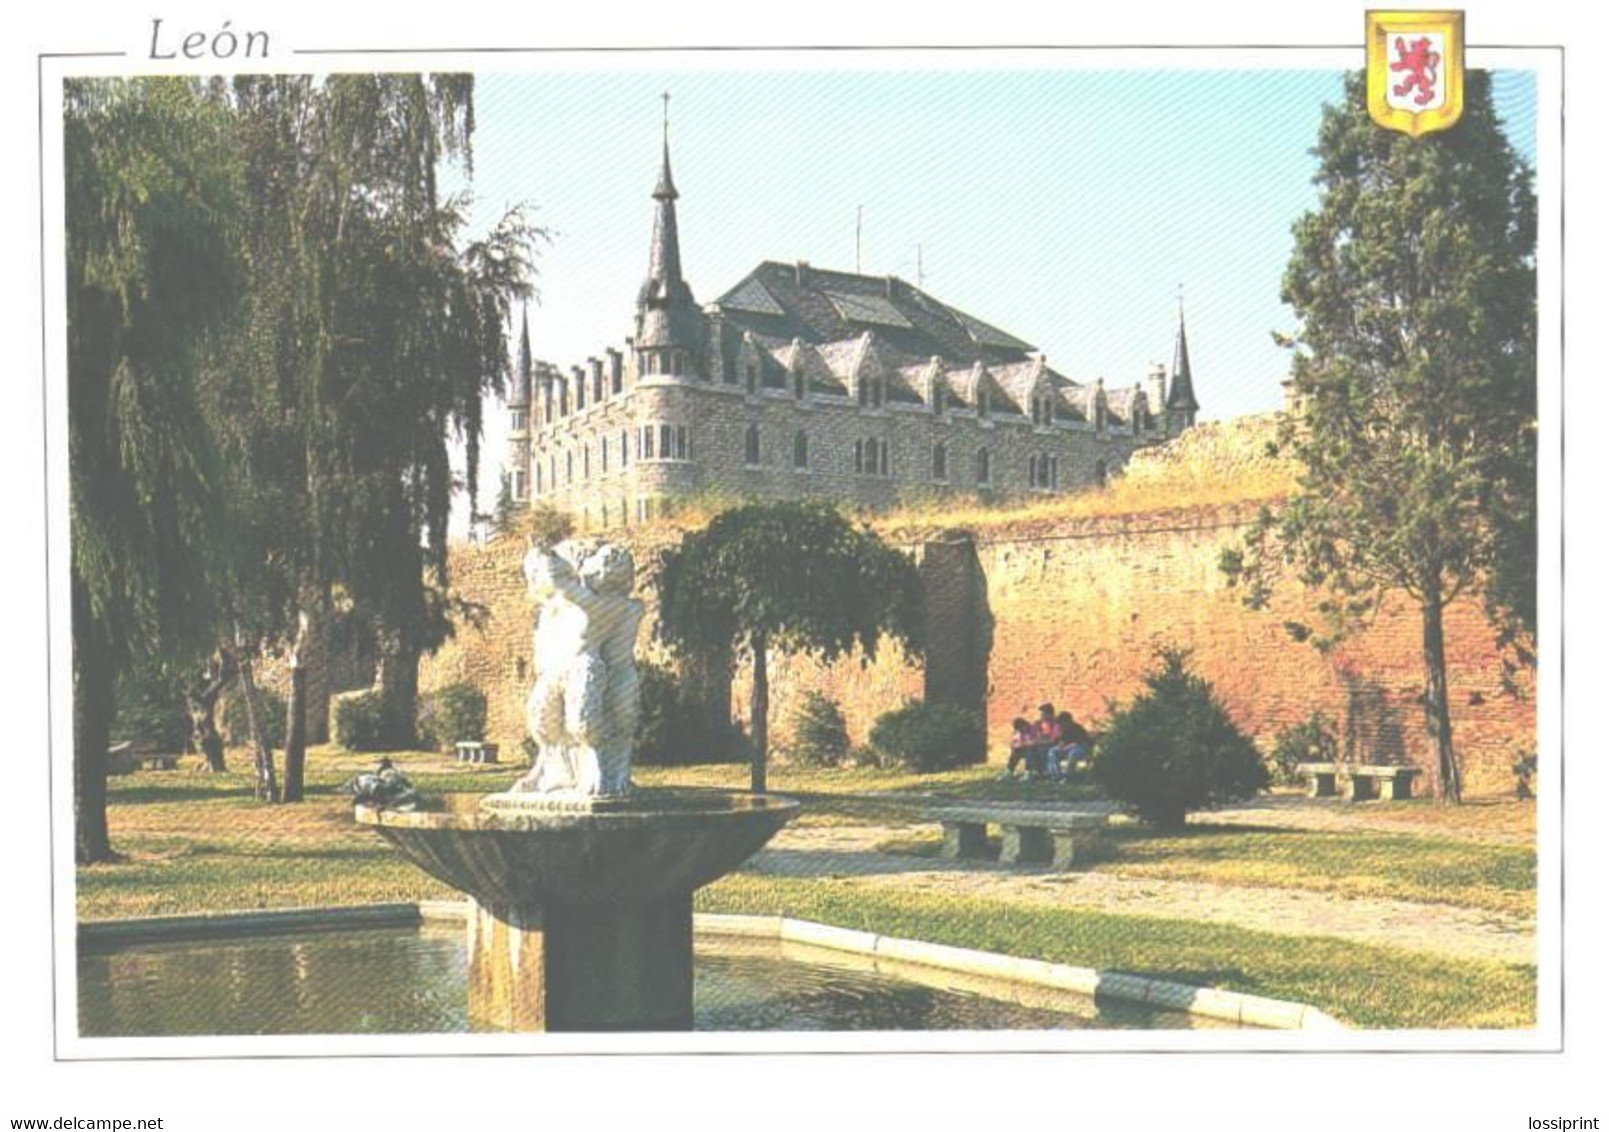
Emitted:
<point x="828" y="306"/>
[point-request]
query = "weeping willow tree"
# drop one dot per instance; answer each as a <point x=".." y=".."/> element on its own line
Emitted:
<point x="153" y="276"/>
<point x="374" y="331"/>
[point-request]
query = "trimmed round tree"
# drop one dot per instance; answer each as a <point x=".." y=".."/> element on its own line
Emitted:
<point x="794" y="577"/>
<point x="1174" y="749"/>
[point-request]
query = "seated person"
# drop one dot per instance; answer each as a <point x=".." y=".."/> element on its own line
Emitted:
<point x="1074" y="744"/>
<point x="1048" y="733"/>
<point x="1024" y="745"/>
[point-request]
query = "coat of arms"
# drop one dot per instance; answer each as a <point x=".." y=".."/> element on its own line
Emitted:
<point x="1416" y="70"/>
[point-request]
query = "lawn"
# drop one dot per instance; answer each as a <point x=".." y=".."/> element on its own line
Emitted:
<point x="193" y="842"/>
<point x="1493" y="877"/>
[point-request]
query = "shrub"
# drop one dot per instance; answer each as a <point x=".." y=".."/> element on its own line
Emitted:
<point x="151" y="710"/>
<point x="270" y="717"/>
<point x="1310" y="742"/>
<point x="1175" y="749"/>
<point x="358" y="720"/>
<point x="926" y="737"/>
<point x="449" y="715"/>
<point x="672" y="727"/>
<point x="820" y="734"/>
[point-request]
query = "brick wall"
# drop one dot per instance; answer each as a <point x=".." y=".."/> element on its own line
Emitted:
<point x="1072" y="611"/>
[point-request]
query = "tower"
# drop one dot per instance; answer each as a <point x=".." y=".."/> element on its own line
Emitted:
<point x="1181" y="406"/>
<point x="520" y="410"/>
<point x="669" y="329"/>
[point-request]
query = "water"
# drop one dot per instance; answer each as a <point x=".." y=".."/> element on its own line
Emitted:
<point x="413" y="981"/>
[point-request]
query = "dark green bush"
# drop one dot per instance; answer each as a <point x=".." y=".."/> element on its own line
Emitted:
<point x="1310" y="742"/>
<point x="271" y="718"/>
<point x="926" y="737"/>
<point x="820" y="733"/>
<point x="454" y="714"/>
<point x="358" y="720"/>
<point x="1175" y="749"/>
<point x="150" y="709"/>
<point x="673" y="729"/>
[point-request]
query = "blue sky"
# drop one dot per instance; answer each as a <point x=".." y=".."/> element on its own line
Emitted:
<point x="1067" y="207"/>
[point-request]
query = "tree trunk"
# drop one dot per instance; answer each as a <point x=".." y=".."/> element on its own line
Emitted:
<point x="296" y="704"/>
<point x="267" y="787"/>
<point x="397" y="679"/>
<point x="759" y="708"/>
<point x="201" y="702"/>
<point x="1438" y="720"/>
<point x="94" y="705"/>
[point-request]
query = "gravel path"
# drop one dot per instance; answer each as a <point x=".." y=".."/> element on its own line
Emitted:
<point x="849" y="851"/>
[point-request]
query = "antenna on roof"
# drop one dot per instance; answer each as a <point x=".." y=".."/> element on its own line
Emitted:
<point x="858" y="210"/>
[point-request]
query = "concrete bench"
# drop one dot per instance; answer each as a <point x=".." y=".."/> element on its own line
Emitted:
<point x="474" y="751"/>
<point x="1392" y="783"/>
<point x="1388" y="783"/>
<point x="1059" y="838"/>
<point x="1320" y="778"/>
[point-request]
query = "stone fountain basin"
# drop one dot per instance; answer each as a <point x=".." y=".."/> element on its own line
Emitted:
<point x="652" y="845"/>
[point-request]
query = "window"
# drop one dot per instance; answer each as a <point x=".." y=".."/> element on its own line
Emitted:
<point x="580" y="393"/>
<point x="1100" y="473"/>
<point x="603" y="455"/>
<point x="799" y="385"/>
<point x="569" y="467"/>
<point x="597" y="384"/>
<point x="538" y="470"/>
<point x="647" y="442"/>
<point x="751" y="446"/>
<point x="676" y="362"/>
<point x="586" y="462"/>
<point x="882" y="458"/>
<point x="860" y="457"/>
<point x="983" y="467"/>
<point x="752" y="377"/>
<point x="983" y="402"/>
<point x="801" y="450"/>
<point x="624" y="459"/>
<point x="516" y="420"/>
<point x="553" y="473"/>
<point x="941" y="470"/>
<point x="681" y="442"/>
<point x="667" y="446"/>
<point x="517" y="484"/>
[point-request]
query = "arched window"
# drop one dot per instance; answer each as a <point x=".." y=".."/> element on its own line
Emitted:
<point x="941" y="467"/>
<point x="860" y="457"/>
<point x="586" y="462"/>
<point x="569" y="467"/>
<point x="882" y="458"/>
<point x="801" y="449"/>
<point x="983" y="467"/>
<point x="603" y="455"/>
<point x="751" y="446"/>
<point x="553" y="472"/>
<point x="1100" y="473"/>
<point x="877" y="393"/>
<point x="625" y="458"/>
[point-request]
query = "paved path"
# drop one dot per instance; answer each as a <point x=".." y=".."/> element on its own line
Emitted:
<point x="849" y="851"/>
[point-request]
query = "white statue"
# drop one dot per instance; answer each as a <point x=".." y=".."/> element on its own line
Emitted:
<point x="582" y="711"/>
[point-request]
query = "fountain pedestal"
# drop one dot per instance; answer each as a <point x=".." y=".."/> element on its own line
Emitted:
<point x="583" y="915"/>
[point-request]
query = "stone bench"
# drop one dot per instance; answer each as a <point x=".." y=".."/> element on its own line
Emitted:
<point x="1391" y="783"/>
<point x="1059" y="838"/>
<point x="474" y="751"/>
<point x="1388" y="783"/>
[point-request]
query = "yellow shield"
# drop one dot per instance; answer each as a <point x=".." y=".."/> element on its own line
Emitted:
<point x="1416" y="70"/>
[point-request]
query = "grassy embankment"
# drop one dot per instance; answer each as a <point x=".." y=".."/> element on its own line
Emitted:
<point x="196" y="843"/>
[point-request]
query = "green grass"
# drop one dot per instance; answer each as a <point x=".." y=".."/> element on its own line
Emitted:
<point x="1362" y="985"/>
<point x="1428" y="870"/>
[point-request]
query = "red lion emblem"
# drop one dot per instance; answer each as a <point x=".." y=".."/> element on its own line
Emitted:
<point x="1420" y="62"/>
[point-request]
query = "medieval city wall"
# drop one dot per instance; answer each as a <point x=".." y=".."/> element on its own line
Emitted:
<point x="1071" y="610"/>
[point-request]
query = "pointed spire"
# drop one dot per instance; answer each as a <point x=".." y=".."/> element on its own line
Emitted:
<point x="666" y="189"/>
<point x="666" y="314"/>
<point x="1181" y="393"/>
<point x="522" y="369"/>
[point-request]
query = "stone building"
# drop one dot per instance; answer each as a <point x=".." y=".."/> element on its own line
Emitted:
<point x="800" y="382"/>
